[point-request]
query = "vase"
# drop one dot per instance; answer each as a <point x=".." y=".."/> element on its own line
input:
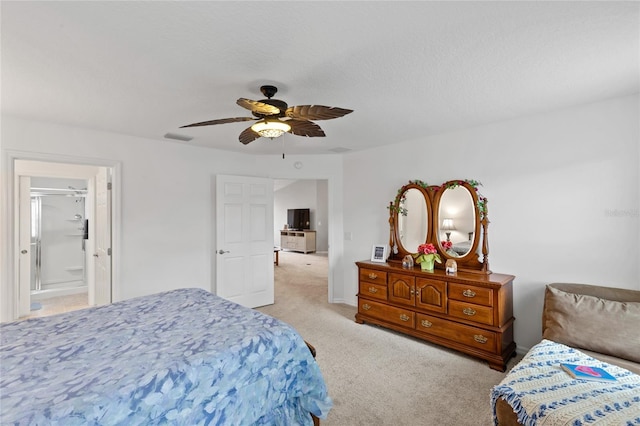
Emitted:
<point x="427" y="265"/>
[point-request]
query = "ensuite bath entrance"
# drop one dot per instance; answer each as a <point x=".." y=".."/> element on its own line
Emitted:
<point x="62" y="237"/>
<point x="59" y="233"/>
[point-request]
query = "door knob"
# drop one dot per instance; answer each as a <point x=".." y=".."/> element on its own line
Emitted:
<point x="23" y="252"/>
<point x="95" y="254"/>
<point x="222" y="251"/>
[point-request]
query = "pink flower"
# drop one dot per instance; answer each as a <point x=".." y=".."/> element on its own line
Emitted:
<point x="427" y="249"/>
<point x="427" y="253"/>
<point x="446" y="244"/>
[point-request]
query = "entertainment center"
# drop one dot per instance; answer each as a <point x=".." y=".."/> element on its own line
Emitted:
<point x="297" y="235"/>
<point x="304" y="241"/>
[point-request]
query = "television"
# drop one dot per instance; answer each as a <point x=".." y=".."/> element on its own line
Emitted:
<point x="298" y="219"/>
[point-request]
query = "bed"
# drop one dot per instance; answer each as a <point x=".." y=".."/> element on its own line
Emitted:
<point x="183" y="357"/>
<point x="461" y="248"/>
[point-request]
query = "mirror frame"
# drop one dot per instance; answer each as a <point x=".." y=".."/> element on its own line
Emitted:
<point x="470" y="262"/>
<point x="395" y="210"/>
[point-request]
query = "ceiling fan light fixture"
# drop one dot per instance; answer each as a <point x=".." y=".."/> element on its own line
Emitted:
<point x="270" y="128"/>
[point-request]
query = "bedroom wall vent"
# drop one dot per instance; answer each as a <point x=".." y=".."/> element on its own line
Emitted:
<point x="178" y="137"/>
<point x="339" y="150"/>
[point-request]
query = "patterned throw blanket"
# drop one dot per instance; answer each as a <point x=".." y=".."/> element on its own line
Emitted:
<point x="541" y="393"/>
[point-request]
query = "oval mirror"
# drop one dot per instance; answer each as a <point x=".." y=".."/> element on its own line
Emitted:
<point x="413" y="220"/>
<point x="457" y="221"/>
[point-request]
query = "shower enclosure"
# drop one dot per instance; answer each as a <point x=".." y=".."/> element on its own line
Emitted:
<point x="58" y="237"/>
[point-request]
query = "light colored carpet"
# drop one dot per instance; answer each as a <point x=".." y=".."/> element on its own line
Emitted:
<point x="377" y="376"/>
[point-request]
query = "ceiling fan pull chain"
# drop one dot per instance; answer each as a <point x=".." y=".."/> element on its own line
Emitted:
<point x="283" y="147"/>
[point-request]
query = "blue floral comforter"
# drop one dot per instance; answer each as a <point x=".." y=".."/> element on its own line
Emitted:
<point x="183" y="357"/>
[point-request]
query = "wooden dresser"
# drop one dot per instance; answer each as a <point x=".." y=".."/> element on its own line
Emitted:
<point x="469" y="312"/>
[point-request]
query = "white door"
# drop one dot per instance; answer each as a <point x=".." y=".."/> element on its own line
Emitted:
<point x="102" y="233"/>
<point x="25" y="248"/>
<point x="244" y="240"/>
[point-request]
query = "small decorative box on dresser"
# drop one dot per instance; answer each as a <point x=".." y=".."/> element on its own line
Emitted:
<point x="469" y="312"/>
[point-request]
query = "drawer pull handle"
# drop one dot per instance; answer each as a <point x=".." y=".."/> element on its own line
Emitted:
<point x="366" y="306"/>
<point x="479" y="338"/>
<point x="405" y="318"/>
<point x="373" y="290"/>
<point x="469" y="293"/>
<point x="469" y="311"/>
<point x="426" y="323"/>
<point x="372" y="276"/>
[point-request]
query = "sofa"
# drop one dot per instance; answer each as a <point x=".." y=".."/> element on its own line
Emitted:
<point x="601" y="322"/>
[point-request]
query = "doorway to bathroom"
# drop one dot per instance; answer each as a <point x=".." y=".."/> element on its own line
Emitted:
<point x="59" y="234"/>
<point x="63" y="224"/>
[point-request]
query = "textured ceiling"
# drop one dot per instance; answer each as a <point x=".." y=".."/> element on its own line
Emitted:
<point x="407" y="69"/>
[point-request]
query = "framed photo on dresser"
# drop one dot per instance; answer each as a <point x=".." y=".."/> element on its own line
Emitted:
<point x="379" y="253"/>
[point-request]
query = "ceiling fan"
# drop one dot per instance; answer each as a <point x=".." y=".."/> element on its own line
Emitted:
<point x="274" y="117"/>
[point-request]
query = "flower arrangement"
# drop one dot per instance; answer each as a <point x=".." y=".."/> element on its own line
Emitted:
<point x="427" y="253"/>
<point x="446" y="245"/>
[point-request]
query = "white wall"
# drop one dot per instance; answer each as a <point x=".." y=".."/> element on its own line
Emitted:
<point x="167" y="200"/>
<point x="300" y="194"/>
<point x="322" y="215"/>
<point x="563" y="191"/>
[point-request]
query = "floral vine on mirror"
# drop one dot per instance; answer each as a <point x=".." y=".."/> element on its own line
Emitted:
<point x="399" y="204"/>
<point x="482" y="201"/>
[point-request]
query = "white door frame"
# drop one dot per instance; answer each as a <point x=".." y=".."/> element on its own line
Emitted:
<point x="8" y="233"/>
<point x="24" y="220"/>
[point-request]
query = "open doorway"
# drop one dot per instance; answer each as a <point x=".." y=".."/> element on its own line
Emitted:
<point x="311" y="194"/>
<point x="309" y="260"/>
<point x="61" y="236"/>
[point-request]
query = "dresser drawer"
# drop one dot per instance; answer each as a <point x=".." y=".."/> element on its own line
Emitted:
<point x="471" y="312"/>
<point x="387" y="313"/>
<point x="376" y="291"/>
<point x="470" y="336"/>
<point x="373" y="276"/>
<point x="471" y="294"/>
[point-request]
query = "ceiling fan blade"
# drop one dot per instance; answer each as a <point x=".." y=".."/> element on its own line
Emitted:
<point x="248" y="135"/>
<point x="220" y="121"/>
<point x="305" y="128"/>
<point x="258" y="107"/>
<point x="316" y="112"/>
